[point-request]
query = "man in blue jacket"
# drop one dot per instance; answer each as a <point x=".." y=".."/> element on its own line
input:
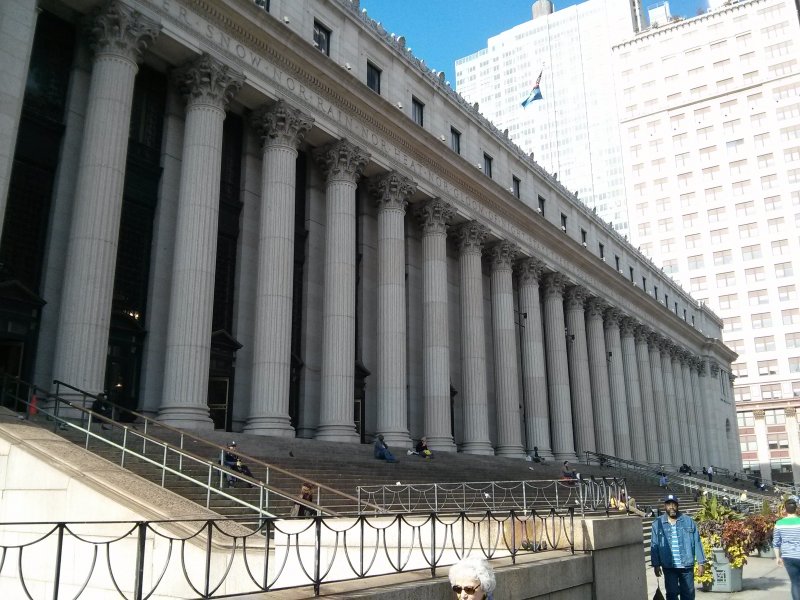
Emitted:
<point x="674" y="547"/>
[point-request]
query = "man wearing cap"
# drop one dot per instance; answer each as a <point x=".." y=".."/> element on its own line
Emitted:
<point x="786" y="542"/>
<point x="674" y="547"/>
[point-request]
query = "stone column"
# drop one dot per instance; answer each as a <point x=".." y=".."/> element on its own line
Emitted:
<point x="208" y="86"/>
<point x="648" y="402"/>
<point x="659" y="401"/>
<point x="673" y="414"/>
<point x="391" y="193"/>
<point x="119" y="35"/>
<point x="794" y="440"/>
<point x="762" y="441"/>
<point x="598" y="376"/>
<point x="506" y="359"/>
<point x="557" y="369"/>
<point x="633" y="391"/>
<point x="705" y="432"/>
<point x="579" y="370"/>
<point x="734" y="448"/>
<point x="616" y="384"/>
<point x="343" y="163"/>
<point x="434" y="217"/>
<point x="17" y="28"/>
<point x="693" y="422"/>
<point x="281" y="129"/>
<point x="683" y="415"/>
<point x="473" y="339"/>
<point x="534" y="378"/>
<point x="709" y="377"/>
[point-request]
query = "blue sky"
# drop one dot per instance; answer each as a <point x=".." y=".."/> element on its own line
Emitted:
<point x="441" y="31"/>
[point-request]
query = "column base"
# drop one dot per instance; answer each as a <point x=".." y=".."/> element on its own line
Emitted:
<point x="186" y="417"/>
<point x="397" y="439"/>
<point x="337" y="433"/>
<point x="446" y="444"/>
<point x="562" y="456"/>
<point x="484" y="448"/>
<point x="511" y="452"/>
<point x="278" y="426"/>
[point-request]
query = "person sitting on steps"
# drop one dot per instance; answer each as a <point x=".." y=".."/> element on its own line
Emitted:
<point x="423" y="450"/>
<point x="231" y="460"/>
<point x="381" y="451"/>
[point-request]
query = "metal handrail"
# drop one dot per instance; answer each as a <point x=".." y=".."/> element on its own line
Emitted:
<point x="186" y="435"/>
<point x="687" y="482"/>
<point x="214" y="558"/>
<point x="88" y="417"/>
<point x="584" y="494"/>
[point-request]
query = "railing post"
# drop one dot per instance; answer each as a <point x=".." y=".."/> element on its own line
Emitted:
<point x="358" y="495"/>
<point x="433" y="544"/>
<point x="208" y="489"/>
<point x="435" y="501"/>
<point x="59" y="548"/>
<point x="164" y="466"/>
<point x="88" y="429"/>
<point x="524" y="496"/>
<point x="317" y="552"/>
<point x="319" y="501"/>
<point x="266" y="491"/>
<point x="513" y="537"/>
<point x="124" y="446"/>
<point x="138" y="586"/>
<point x="207" y="586"/>
<point x="144" y="439"/>
<point x="180" y="457"/>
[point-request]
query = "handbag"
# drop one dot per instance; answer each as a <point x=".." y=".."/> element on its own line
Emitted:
<point x="658" y="595"/>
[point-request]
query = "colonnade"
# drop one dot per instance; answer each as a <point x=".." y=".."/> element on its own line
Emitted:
<point x="583" y="375"/>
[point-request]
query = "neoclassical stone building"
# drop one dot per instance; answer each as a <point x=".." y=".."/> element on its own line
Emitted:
<point x="272" y="217"/>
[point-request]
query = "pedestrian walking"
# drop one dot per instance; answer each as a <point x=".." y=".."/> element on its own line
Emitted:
<point x="786" y="542"/>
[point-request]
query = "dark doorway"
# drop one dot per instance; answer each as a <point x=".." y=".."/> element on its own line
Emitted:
<point x="219" y="405"/>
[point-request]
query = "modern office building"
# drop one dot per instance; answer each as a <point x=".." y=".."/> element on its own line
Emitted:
<point x="572" y="131"/>
<point x="272" y="217"/>
<point x="710" y="122"/>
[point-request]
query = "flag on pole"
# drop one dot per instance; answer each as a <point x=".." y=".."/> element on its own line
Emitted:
<point x="536" y="92"/>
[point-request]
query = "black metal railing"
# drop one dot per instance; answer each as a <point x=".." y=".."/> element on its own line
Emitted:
<point x="583" y="494"/>
<point x="223" y="558"/>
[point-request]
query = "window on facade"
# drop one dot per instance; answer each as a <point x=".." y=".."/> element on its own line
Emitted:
<point x="455" y="140"/>
<point x="670" y="266"/>
<point x="616" y="262"/>
<point x="772" y="203"/>
<point x="563" y="222"/>
<point x="515" y="186"/>
<point x="665" y="225"/>
<point x="541" y="208"/>
<point x="745" y="208"/>
<point x="767" y="367"/>
<point x="696" y="262"/>
<point x="698" y="284"/>
<point x="796" y="389"/>
<point x="775" y="225"/>
<point x="758" y="297"/>
<point x="748" y="230"/>
<point x="748" y="443"/>
<point x="689" y="220"/>
<point x="487" y="165"/>
<point x="718" y="235"/>
<point x="791" y="316"/>
<point x="373" y="78"/>
<point x="754" y="274"/>
<point x="774" y="416"/>
<point x="794" y="364"/>
<point x="780" y="247"/>
<point x="732" y="324"/>
<point x="761" y="320"/>
<point x="667" y="245"/>
<point x="692" y="240"/>
<point x="418" y="112"/>
<point x="722" y="257"/>
<point x="739" y="369"/>
<point x="792" y="340"/>
<point x="322" y="38"/>
<point x="736" y="345"/>
<point x="742" y="394"/>
<point x="727" y="279"/>
<point x="764" y="344"/>
<point x="728" y="301"/>
<point x="771" y="391"/>
<point x="716" y="214"/>
<point x="644" y="284"/>
<point x="751" y="252"/>
<point x="784" y="270"/>
<point x="786" y="292"/>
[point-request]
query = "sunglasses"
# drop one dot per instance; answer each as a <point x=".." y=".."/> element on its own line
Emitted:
<point x="469" y="589"/>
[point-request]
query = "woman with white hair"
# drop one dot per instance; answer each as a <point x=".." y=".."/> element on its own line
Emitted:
<point x="472" y="579"/>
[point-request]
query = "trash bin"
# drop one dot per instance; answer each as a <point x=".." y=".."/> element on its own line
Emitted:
<point x="726" y="578"/>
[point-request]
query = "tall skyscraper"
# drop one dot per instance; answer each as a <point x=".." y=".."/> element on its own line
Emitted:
<point x="710" y="127"/>
<point x="572" y="131"/>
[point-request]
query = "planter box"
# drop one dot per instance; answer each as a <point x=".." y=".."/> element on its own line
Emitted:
<point x="726" y="578"/>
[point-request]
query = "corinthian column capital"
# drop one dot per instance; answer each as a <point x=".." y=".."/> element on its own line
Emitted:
<point x="342" y="161"/>
<point x="612" y="317"/>
<point x="502" y="255"/>
<point x="529" y="270"/>
<point x="576" y="297"/>
<point x="207" y="81"/>
<point x="281" y="125"/>
<point x="627" y="326"/>
<point x="434" y="216"/>
<point x="790" y="412"/>
<point x="641" y="333"/>
<point x="554" y="285"/>
<point x="116" y="28"/>
<point x="392" y="190"/>
<point x="471" y="236"/>
<point x="595" y="307"/>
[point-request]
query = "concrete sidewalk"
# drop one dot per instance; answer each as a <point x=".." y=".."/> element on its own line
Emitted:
<point x="762" y="579"/>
